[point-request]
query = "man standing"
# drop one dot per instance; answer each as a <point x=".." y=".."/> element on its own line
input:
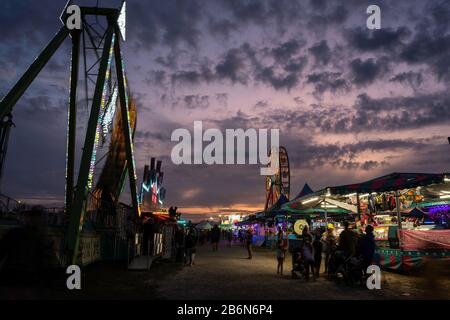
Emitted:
<point x="329" y="243"/>
<point x="367" y="247"/>
<point x="347" y="241"/>
<point x="249" y="241"/>
<point x="215" y="237"/>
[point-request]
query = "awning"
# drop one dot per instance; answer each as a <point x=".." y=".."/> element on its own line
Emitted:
<point x="391" y="182"/>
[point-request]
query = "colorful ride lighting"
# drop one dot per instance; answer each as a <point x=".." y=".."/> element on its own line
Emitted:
<point x="364" y="195"/>
<point x="350" y="195"/>
<point x="328" y="205"/>
<point x="310" y="200"/>
<point x="446" y="196"/>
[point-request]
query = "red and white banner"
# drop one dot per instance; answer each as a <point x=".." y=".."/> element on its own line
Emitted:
<point x="425" y="239"/>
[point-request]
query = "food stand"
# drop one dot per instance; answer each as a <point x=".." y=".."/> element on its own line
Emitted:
<point x="410" y="213"/>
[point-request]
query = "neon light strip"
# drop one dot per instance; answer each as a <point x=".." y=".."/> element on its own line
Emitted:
<point x="109" y="113"/>
<point x="99" y="121"/>
<point x="127" y="122"/>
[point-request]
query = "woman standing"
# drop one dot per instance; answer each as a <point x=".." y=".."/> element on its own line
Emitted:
<point x="281" y="254"/>
<point x="317" y="245"/>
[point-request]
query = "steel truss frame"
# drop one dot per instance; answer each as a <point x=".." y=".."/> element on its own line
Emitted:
<point x="76" y="197"/>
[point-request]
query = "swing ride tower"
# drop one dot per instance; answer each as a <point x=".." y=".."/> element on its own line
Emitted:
<point x="99" y="40"/>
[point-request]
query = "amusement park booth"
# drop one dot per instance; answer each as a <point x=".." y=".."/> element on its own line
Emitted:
<point x="409" y="212"/>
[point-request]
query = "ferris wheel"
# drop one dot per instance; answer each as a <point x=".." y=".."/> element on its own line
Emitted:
<point x="278" y="183"/>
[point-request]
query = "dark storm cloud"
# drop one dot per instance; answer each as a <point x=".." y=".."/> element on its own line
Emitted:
<point x="223" y="27"/>
<point x="321" y="52"/>
<point x="244" y="63"/>
<point x="327" y="81"/>
<point x="367" y="114"/>
<point x="258" y="12"/>
<point x="232" y="67"/>
<point x="282" y="81"/>
<point x="169" y="60"/>
<point x="165" y="22"/>
<point x="318" y="5"/>
<point x="414" y="79"/>
<point x="168" y="37"/>
<point x="386" y="39"/>
<point x="193" y="77"/>
<point x="222" y="99"/>
<point x="286" y="50"/>
<point x="308" y="155"/>
<point x="194" y="101"/>
<point x="240" y="120"/>
<point x="402" y="112"/>
<point x="19" y="21"/>
<point x="441" y="15"/>
<point x="336" y="15"/>
<point x="261" y="104"/>
<point x="365" y="72"/>
<point x="189" y="102"/>
<point x="157" y="78"/>
<point x="432" y="50"/>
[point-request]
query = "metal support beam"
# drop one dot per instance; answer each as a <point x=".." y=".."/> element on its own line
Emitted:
<point x="358" y="206"/>
<point x="399" y="214"/>
<point x="72" y="119"/>
<point x="8" y="102"/>
<point x="5" y="126"/>
<point x="121" y="81"/>
<point x="78" y="207"/>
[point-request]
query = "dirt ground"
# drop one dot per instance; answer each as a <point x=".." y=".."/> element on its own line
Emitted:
<point x="227" y="274"/>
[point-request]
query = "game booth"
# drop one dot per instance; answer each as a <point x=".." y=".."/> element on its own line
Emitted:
<point x="410" y="213"/>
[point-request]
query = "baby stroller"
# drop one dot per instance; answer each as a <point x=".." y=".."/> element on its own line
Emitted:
<point x="336" y="262"/>
<point x="298" y="264"/>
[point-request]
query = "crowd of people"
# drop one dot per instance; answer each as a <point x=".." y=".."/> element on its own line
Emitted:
<point x="187" y="239"/>
<point x="321" y="247"/>
<point x="317" y="251"/>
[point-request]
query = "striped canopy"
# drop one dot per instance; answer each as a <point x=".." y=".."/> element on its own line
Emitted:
<point x="390" y="182"/>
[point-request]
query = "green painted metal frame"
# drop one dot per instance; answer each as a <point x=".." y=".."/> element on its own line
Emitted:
<point x="8" y="102"/>
<point x="121" y="81"/>
<point x="77" y="211"/>
<point x="76" y="200"/>
<point x="72" y="119"/>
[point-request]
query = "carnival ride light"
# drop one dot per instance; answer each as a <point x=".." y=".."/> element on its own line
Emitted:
<point x="350" y="194"/>
<point x="364" y="195"/>
<point x="326" y="205"/>
<point x="310" y="200"/>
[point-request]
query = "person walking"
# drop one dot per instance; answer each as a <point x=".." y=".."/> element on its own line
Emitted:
<point x="248" y="242"/>
<point x="367" y="247"/>
<point x="329" y="244"/>
<point x="241" y="237"/>
<point x="230" y="237"/>
<point x="318" y="246"/>
<point x="190" y="249"/>
<point x="308" y="252"/>
<point x="347" y="241"/>
<point x="215" y="237"/>
<point x="281" y="255"/>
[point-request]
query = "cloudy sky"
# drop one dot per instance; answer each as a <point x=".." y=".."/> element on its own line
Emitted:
<point x="350" y="103"/>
